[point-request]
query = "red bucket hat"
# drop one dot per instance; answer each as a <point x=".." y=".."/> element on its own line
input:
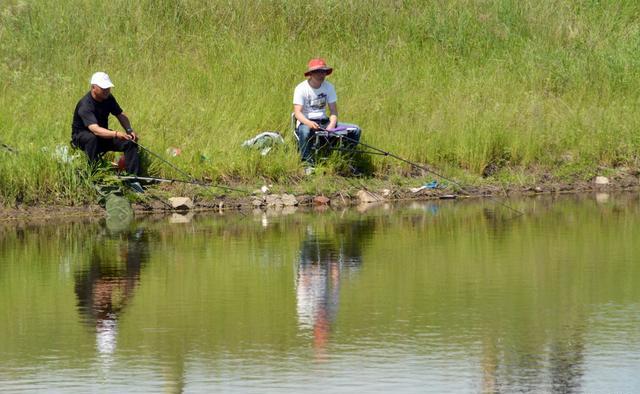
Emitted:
<point x="317" y="64"/>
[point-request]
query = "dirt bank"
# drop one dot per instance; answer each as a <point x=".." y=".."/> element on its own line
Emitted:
<point x="154" y="202"/>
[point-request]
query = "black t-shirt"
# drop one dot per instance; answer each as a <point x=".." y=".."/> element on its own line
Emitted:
<point x="89" y="111"/>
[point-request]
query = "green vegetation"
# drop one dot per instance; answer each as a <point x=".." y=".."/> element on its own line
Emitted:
<point x="459" y="84"/>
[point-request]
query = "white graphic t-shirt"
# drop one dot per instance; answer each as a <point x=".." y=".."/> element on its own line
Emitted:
<point x="314" y="101"/>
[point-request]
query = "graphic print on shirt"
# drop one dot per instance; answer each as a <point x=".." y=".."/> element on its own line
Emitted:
<point x="319" y="102"/>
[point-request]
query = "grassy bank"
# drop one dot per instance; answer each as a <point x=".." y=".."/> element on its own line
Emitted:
<point x="461" y="85"/>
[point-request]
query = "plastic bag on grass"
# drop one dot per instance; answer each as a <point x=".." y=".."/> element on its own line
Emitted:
<point x="264" y="141"/>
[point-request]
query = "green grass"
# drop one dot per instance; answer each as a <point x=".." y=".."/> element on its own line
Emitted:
<point x="456" y="84"/>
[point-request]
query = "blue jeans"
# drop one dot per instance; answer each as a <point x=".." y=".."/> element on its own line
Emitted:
<point x="305" y="138"/>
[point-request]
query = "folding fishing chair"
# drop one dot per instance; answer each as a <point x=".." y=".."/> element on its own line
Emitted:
<point x="324" y="140"/>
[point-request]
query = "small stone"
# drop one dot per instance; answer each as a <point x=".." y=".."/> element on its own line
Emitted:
<point x="256" y="202"/>
<point x="181" y="203"/>
<point x="602" y="180"/>
<point x="321" y="200"/>
<point x="273" y="200"/>
<point x="289" y="200"/>
<point x="386" y="192"/>
<point x="366" y="196"/>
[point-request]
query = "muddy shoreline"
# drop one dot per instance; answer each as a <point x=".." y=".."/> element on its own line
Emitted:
<point x="260" y="200"/>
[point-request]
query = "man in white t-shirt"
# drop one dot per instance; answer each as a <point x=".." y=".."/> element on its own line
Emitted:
<point x="314" y="106"/>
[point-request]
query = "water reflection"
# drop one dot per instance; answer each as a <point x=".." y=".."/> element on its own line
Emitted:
<point x="325" y="259"/>
<point x="440" y="297"/>
<point x="567" y="359"/>
<point x="107" y="285"/>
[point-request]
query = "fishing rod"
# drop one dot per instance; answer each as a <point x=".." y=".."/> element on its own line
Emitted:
<point x="170" y="180"/>
<point x="191" y="180"/>
<point x="424" y="168"/>
<point x="163" y="160"/>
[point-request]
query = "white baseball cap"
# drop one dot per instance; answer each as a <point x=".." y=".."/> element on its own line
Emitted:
<point x="101" y="79"/>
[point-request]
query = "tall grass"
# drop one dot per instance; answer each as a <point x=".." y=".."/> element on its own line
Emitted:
<point x="458" y="84"/>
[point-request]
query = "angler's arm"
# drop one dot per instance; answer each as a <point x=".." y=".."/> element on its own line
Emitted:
<point x="106" y="133"/>
<point x="333" y="115"/>
<point x="126" y="124"/>
<point x="297" y="110"/>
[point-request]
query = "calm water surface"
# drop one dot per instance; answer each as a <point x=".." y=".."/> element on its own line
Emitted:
<point x="455" y="296"/>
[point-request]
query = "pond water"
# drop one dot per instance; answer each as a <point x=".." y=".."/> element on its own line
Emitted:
<point x="445" y="296"/>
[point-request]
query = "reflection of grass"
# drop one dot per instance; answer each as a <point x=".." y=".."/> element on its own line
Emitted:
<point x="458" y="276"/>
<point x="455" y="84"/>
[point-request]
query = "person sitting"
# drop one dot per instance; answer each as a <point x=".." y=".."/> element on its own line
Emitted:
<point x="315" y="108"/>
<point x="90" y="127"/>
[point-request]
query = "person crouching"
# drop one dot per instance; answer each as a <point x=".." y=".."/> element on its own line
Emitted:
<point x="90" y="128"/>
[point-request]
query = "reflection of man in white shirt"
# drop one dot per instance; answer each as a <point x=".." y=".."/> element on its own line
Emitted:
<point x="315" y="107"/>
<point x="318" y="296"/>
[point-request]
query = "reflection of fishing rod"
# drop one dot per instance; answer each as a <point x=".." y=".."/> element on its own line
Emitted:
<point x="191" y="180"/>
<point x="385" y="153"/>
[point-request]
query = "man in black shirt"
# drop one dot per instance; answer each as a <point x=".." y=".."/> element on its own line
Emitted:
<point x="90" y="128"/>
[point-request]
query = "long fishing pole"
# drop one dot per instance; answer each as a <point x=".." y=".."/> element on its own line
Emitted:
<point x="191" y="180"/>
<point x="386" y="153"/>
<point x="164" y="161"/>
<point x="171" y="180"/>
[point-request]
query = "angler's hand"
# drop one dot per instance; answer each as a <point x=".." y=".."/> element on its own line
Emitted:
<point x="134" y="136"/>
<point x="124" y="136"/>
<point x="313" y="125"/>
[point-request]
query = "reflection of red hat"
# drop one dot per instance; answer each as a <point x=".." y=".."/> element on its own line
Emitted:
<point x="317" y="64"/>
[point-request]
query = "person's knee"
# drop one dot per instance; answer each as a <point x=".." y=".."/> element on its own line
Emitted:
<point x="89" y="144"/>
<point x="354" y="132"/>
<point x="89" y="140"/>
<point x="303" y="132"/>
<point x="128" y="146"/>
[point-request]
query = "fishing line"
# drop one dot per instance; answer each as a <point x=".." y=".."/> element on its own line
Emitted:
<point x="164" y="161"/>
<point x="170" y="180"/>
<point x="191" y="180"/>
<point x="386" y="153"/>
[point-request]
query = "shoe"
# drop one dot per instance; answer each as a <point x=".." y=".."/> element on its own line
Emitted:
<point x="136" y="187"/>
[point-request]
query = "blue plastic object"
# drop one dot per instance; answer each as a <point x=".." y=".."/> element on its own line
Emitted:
<point x="432" y="185"/>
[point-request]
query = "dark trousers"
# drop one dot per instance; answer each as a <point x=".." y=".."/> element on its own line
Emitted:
<point x="95" y="146"/>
